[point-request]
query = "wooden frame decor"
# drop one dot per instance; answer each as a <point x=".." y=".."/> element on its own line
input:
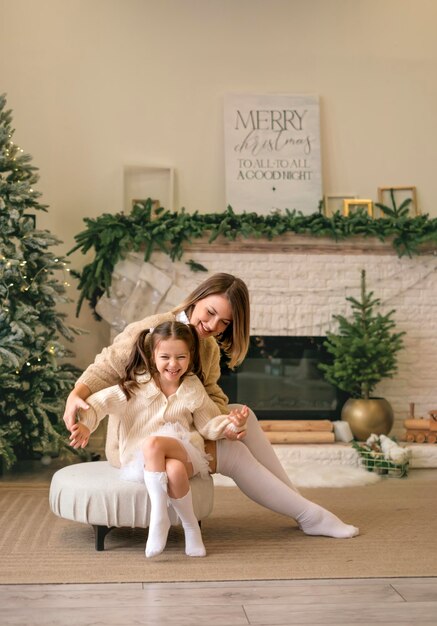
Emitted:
<point x="400" y="193"/>
<point x="350" y="205"/>
<point x="148" y="181"/>
<point x="333" y="203"/>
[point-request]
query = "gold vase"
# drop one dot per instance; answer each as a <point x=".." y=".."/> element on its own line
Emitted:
<point x="368" y="416"/>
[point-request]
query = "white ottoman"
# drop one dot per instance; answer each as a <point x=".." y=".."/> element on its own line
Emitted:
<point x="93" y="493"/>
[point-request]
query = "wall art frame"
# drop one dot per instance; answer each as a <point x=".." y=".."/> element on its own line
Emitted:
<point x="352" y="204"/>
<point x="333" y="202"/>
<point x="148" y="181"/>
<point x="401" y="193"/>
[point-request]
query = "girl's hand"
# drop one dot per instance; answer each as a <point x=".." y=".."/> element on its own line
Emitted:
<point x="73" y="404"/>
<point x="80" y="435"/>
<point x="237" y="429"/>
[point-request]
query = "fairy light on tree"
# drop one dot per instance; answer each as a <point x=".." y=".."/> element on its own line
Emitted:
<point x="33" y="384"/>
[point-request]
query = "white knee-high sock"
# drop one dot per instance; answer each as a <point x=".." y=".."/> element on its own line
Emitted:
<point x="260" y="485"/>
<point x="261" y="448"/>
<point x="193" y="537"/>
<point x="159" y="524"/>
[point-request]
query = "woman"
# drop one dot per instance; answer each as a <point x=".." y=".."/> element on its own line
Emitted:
<point x="220" y="312"/>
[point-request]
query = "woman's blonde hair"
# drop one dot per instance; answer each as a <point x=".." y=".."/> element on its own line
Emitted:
<point x="234" y="340"/>
<point x="142" y="360"/>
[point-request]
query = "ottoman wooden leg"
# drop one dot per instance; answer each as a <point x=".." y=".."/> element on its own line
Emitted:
<point x="100" y="533"/>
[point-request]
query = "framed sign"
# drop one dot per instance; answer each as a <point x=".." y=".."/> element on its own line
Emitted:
<point x="272" y="152"/>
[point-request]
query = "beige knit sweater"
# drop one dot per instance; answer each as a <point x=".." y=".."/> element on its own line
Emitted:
<point x="149" y="409"/>
<point x="109" y="367"/>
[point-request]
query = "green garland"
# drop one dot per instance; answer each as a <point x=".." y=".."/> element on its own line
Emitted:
<point x="113" y="236"/>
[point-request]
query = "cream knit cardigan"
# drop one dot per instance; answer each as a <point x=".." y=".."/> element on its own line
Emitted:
<point x="148" y="409"/>
<point x="109" y="367"/>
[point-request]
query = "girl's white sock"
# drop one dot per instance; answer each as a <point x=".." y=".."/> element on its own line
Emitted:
<point x="193" y="537"/>
<point x="260" y="485"/>
<point x="159" y="524"/>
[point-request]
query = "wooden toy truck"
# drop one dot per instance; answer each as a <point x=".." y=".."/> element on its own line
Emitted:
<point x="421" y="430"/>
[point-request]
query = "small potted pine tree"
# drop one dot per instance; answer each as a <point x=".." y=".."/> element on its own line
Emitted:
<point x="364" y="352"/>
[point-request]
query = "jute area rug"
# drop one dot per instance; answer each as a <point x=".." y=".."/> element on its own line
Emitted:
<point x="397" y="519"/>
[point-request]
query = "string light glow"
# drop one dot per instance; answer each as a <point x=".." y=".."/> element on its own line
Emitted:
<point x="31" y="325"/>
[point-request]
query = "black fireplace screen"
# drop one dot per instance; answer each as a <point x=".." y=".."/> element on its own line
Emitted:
<point x="280" y="379"/>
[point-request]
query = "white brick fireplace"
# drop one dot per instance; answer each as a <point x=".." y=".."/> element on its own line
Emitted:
<point x="297" y="284"/>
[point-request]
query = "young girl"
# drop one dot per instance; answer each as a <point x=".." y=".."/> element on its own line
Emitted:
<point x="164" y="411"/>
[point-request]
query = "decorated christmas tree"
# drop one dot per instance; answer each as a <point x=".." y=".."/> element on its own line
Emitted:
<point x="33" y="281"/>
<point x="365" y="349"/>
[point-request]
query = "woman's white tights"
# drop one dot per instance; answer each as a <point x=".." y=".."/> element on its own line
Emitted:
<point x="234" y="459"/>
<point x="261" y="448"/>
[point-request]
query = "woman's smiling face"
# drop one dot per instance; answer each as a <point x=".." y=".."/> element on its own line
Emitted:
<point x="211" y="315"/>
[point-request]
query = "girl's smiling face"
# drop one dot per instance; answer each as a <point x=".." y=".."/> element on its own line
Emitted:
<point x="211" y="315"/>
<point x="172" y="359"/>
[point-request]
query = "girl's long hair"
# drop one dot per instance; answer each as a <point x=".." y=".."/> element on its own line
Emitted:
<point x="142" y="361"/>
<point x="235" y="338"/>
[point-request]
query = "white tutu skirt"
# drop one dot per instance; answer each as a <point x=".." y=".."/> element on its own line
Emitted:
<point x="134" y="471"/>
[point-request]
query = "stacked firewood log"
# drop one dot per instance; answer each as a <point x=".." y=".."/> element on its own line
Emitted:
<point x="298" y="431"/>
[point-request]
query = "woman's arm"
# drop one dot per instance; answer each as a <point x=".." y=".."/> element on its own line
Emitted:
<point x="75" y="401"/>
<point x="108" y="367"/>
<point x="210" y="356"/>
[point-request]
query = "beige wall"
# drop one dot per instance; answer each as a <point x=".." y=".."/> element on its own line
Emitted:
<point x="98" y="84"/>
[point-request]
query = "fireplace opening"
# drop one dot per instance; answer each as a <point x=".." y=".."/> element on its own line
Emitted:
<point x="280" y="379"/>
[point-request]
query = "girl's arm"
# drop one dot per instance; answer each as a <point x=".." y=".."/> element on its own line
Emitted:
<point x="237" y="427"/>
<point x="102" y="403"/>
<point x="80" y="435"/>
<point x="213" y="426"/>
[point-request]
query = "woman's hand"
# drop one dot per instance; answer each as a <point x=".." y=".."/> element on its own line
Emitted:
<point x="75" y="401"/>
<point x="237" y="429"/>
<point x="80" y="435"/>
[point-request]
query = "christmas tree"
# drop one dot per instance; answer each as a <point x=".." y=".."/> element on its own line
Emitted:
<point x="365" y="349"/>
<point x="33" y="385"/>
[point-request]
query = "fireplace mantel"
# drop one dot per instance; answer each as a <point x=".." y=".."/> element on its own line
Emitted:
<point x="298" y="284"/>
<point x="292" y="243"/>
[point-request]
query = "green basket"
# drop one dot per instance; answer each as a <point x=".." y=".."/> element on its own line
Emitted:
<point x="374" y="461"/>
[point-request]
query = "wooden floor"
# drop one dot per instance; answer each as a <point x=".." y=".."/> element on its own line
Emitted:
<point x="391" y="602"/>
<point x="377" y="601"/>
